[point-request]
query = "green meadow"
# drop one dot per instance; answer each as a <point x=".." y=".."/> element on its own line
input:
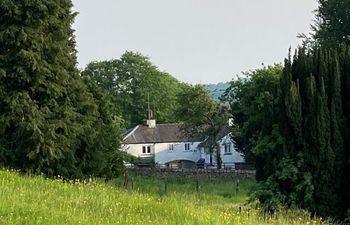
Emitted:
<point x="37" y="200"/>
<point x="206" y="191"/>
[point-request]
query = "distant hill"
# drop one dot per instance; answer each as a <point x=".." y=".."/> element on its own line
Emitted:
<point x="216" y="90"/>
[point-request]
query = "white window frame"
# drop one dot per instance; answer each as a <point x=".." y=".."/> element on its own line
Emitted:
<point x="187" y="147"/>
<point x="146" y="149"/>
<point x="171" y="147"/>
<point x="227" y="147"/>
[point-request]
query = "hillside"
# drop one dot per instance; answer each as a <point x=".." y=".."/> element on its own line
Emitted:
<point x="216" y="90"/>
<point x="36" y="200"/>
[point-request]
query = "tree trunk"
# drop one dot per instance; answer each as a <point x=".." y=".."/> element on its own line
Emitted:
<point x="211" y="156"/>
<point x="218" y="155"/>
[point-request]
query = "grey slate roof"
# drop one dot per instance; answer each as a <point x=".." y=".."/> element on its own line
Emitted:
<point x="222" y="133"/>
<point x="162" y="133"/>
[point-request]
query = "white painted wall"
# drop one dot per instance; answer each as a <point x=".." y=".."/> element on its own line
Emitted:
<point x="163" y="154"/>
<point x="228" y="158"/>
<point x="136" y="149"/>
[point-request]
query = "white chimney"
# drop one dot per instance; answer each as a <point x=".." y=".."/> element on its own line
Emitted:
<point x="230" y="122"/>
<point x="151" y="123"/>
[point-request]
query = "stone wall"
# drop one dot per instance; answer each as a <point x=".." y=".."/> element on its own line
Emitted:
<point x="211" y="174"/>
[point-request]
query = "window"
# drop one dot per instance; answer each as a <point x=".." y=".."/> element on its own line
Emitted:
<point x="227" y="147"/>
<point x="187" y="146"/>
<point x="171" y="147"/>
<point x="146" y="149"/>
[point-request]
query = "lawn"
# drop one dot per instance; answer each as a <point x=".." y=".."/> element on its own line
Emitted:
<point x="37" y="200"/>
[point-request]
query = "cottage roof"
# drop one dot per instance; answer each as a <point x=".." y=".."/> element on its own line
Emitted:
<point x="222" y="133"/>
<point x="162" y="133"/>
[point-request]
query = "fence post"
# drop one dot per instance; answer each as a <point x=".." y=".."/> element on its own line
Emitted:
<point x="165" y="186"/>
<point x="198" y="187"/>
<point x="237" y="186"/>
<point x="126" y="179"/>
<point x="132" y="183"/>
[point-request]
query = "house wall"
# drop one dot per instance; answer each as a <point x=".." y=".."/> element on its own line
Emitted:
<point x="231" y="157"/>
<point x="228" y="158"/>
<point x="136" y="150"/>
<point x="163" y="154"/>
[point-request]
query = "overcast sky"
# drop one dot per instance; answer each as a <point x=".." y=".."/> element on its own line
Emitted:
<point x="197" y="41"/>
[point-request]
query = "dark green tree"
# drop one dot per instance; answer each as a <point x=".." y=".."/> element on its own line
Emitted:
<point x="37" y="64"/>
<point x="311" y="164"/>
<point x="48" y="115"/>
<point x="254" y="102"/>
<point x="344" y="61"/>
<point x="297" y="138"/>
<point x="332" y="23"/>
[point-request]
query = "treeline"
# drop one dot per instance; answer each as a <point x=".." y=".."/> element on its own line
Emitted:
<point x="293" y="121"/>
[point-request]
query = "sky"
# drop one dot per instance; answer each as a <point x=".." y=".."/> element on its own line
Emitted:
<point x="196" y="41"/>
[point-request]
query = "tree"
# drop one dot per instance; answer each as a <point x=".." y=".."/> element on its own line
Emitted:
<point x="131" y="79"/>
<point x="344" y="62"/>
<point x="36" y="65"/>
<point x="203" y="117"/>
<point x="291" y="123"/>
<point x="254" y="102"/>
<point x="305" y="162"/>
<point x="99" y="153"/>
<point x="48" y="115"/>
<point x="332" y="23"/>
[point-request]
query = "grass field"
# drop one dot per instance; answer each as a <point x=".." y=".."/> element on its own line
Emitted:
<point x="211" y="192"/>
<point x="36" y="200"/>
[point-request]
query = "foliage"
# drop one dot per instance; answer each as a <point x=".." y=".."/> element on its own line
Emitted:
<point x="332" y="23"/>
<point x="254" y="102"/>
<point x="315" y="127"/>
<point x="203" y="117"/>
<point x="295" y="126"/>
<point x="50" y="121"/>
<point x="130" y="80"/>
<point x="35" y="200"/>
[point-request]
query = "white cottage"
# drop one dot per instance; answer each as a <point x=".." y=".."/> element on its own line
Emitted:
<point x="165" y="144"/>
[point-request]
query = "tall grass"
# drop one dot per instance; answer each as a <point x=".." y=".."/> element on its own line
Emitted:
<point x="36" y="200"/>
<point x="209" y="191"/>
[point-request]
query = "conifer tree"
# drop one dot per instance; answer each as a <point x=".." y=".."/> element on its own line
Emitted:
<point x="310" y="169"/>
<point x="344" y="61"/>
<point x="332" y="26"/>
<point x="37" y="64"/>
<point x="47" y="114"/>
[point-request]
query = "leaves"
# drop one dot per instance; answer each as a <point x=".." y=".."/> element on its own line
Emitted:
<point x="131" y="80"/>
<point x="50" y="121"/>
<point x="203" y="117"/>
